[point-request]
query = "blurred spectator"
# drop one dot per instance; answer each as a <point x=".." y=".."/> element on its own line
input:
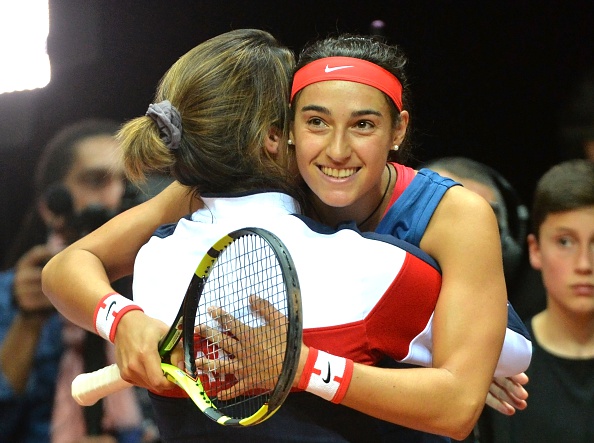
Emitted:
<point x="525" y="290"/>
<point x="79" y="184"/>
<point x="561" y="247"/>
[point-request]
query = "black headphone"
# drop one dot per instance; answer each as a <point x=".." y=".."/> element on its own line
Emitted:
<point x="513" y="233"/>
<point x="513" y="220"/>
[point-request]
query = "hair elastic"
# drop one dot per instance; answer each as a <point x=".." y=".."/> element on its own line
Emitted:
<point x="169" y="122"/>
<point x="349" y="69"/>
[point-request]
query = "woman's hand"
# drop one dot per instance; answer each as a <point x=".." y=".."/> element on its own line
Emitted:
<point x="137" y="341"/>
<point x="506" y="394"/>
<point x="254" y="355"/>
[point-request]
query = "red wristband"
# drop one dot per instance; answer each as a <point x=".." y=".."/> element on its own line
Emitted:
<point x="109" y="312"/>
<point x="326" y="375"/>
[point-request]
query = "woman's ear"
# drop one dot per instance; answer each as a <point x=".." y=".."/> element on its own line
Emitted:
<point x="400" y="130"/>
<point x="272" y="141"/>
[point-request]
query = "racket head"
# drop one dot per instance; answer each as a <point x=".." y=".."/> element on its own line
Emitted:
<point x="245" y="263"/>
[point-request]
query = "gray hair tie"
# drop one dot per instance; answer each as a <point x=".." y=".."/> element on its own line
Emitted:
<point x="169" y="122"/>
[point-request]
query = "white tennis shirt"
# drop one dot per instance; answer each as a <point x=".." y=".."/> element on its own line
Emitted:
<point x="364" y="296"/>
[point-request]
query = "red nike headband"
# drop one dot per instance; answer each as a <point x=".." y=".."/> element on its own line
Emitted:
<point x="351" y="70"/>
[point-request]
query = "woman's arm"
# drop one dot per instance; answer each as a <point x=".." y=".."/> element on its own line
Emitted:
<point x="79" y="276"/>
<point x="76" y="278"/>
<point x="468" y="329"/>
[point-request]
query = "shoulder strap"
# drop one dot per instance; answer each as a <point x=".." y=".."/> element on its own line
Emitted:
<point x="408" y="217"/>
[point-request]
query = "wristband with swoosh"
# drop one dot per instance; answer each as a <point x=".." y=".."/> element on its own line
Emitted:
<point x="326" y="375"/>
<point x="109" y="312"/>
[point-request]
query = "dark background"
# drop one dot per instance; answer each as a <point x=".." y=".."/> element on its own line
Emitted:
<point x="489" y="78"/>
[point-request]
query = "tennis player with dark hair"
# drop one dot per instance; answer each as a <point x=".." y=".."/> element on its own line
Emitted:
<point x="220" y="128"/>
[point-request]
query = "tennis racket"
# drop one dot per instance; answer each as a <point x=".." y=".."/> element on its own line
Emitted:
<point x="220" y="329"/>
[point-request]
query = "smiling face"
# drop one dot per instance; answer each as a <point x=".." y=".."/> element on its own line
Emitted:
<point x="564" y="253"/>
<point x="343" y="132"/>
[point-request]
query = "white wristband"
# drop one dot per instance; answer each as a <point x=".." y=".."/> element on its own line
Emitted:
<point x="109" y="312"/>
<point x="326" y="375"/>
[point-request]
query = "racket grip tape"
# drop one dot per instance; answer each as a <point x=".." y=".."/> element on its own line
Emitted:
<point x="326" y="375"/>
<point x="108" y="313"/>
<point x="89" y="388"/>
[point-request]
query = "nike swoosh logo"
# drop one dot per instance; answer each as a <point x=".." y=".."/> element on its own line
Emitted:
<point x="327" y="379"/>
<point x="109" y="309"/>
<point x="336" y="68"/>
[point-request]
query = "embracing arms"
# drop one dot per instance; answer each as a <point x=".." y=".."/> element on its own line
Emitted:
<point x="468" y="329"/>
<point x="76" y="280"/>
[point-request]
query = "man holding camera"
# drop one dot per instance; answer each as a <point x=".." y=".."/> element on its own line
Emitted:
<point x="79" y="184"/>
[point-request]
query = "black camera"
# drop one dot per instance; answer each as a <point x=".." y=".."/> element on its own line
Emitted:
<point x="77" y="224"/>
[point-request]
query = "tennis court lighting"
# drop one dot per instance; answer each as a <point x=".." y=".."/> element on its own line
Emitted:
<point x="24" y="27"/>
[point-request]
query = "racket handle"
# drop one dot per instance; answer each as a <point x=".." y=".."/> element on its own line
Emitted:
<point x="89" y="388"/>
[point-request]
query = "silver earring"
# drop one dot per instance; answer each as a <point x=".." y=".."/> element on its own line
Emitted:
<point x="290" y="142"/>
<point x="395" y="148"/>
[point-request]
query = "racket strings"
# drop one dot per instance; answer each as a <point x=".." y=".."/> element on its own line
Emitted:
<point x="248" y="267"/>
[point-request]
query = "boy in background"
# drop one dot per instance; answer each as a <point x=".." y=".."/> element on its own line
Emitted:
<point x="561" y="373"/>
